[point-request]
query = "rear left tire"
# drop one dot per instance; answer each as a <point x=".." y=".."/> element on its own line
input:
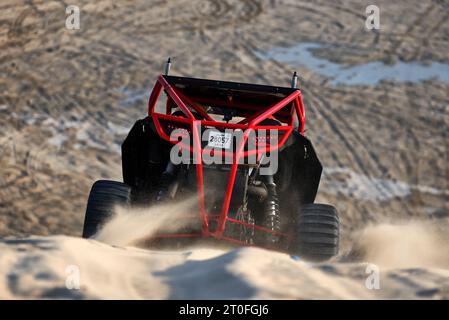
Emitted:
<point x="104" y="196"/>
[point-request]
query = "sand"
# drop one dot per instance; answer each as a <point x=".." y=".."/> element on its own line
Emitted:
<point x="48" y="268"/>
<point x="389" y="261"/>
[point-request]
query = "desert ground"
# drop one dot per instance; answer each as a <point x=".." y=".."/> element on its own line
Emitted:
<point x="69" y="97"/>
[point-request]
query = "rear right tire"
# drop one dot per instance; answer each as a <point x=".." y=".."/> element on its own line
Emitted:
<point x="104" y="196"/>
<point x="318" y="232"/>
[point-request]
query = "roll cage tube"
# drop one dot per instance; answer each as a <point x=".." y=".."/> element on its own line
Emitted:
<point x="248" y="125"/>
<point x="259" y="116"/>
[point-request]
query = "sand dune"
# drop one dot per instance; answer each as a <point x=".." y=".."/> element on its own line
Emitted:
<point x="407" y="260"/>
<point x="68" y="267"/>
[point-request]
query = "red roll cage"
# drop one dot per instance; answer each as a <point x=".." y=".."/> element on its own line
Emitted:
<point x="290" y="106"/>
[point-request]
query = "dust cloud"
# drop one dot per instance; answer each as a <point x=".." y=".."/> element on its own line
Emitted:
<point x="403" y="245"/>
<point x="129" y="225"/>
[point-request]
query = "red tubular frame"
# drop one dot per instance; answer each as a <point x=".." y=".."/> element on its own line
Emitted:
<point x="248" y="125"/>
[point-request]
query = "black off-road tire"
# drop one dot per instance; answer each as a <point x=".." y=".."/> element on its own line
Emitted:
<point x="104" y="196"/>
<point x="318" y="232"/>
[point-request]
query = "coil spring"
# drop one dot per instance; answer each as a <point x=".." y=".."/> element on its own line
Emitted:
<point x="272" y="213"/>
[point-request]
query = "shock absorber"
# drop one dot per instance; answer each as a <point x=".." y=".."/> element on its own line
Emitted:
<point x="272" y="217"/>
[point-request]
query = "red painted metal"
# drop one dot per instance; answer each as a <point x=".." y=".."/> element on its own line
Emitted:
<point x="199" y="175"/>
<point x="248" y="125"/>
<point x="229" y="188"/>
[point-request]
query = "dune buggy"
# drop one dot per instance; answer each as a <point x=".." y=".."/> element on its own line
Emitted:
<point x="240" y="150"/>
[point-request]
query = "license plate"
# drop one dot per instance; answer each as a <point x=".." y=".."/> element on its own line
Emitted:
<point x="219" y="140"/>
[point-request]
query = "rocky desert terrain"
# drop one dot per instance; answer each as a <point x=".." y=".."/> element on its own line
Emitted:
<point x="376" y="101"/>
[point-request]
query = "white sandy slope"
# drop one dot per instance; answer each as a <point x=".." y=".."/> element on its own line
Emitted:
<point x="41" y="267"/>
<point x="412" y="257"/>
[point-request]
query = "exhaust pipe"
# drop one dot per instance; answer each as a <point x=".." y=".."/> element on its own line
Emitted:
<point x="294" y="82"/>
<point x="167" y="66"/>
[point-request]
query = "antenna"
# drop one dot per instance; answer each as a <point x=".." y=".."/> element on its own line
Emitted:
<point x="167" y="66"/>
<point x="294" y="80"/>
